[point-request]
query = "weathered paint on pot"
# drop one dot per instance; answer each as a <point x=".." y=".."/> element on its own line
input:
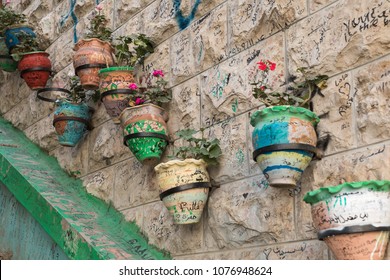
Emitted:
<point x="146" y="118"/>
<point x="114" y="89"/>
<point x="346" y="211"/>
<point x="11" y="35"/>
<point x="283" y="125"/>
<point x="69" y="132"/>
<point x="90" y="56"/>
<point x="186" y="206"/>
<point x="35" y="79"/>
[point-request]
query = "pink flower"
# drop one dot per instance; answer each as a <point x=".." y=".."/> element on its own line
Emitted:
<point x="158" y="73"/>
<point x="272" y="65"/>
<point x="133" y="86"/>
<point x="99" y="7"/>
<point x="262" y="88"/>
<point x="262" y="65"/>
<point x="139" y="101"/>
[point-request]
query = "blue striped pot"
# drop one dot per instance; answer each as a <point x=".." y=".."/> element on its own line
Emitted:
<point x="284" y="140"/>
<point x="11" y="35"/>
<point x="71" y="121"/>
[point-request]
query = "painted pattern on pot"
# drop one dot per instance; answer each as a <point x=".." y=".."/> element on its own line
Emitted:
<point x="114" y="89"/>
<point x="352" y="213"/>
<point x="7" y="63"/>
<point x="11" y="35"/>
<point x="186" y="206"/>
<point x="147" y="118"/>
<point x="69" y="132"/>
<point x="283" y="125"/>
<point x="35" y="79"/>
<point x="90" y="56"/>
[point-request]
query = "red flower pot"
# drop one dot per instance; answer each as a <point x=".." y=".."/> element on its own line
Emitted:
<point x="35" y="69"/>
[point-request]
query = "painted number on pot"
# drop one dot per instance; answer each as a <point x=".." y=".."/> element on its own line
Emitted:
<point x="338" y="201"/>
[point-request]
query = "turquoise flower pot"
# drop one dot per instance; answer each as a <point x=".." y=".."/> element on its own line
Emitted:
<point x="71" y="121"/>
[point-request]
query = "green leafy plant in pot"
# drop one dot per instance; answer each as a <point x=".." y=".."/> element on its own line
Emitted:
<point x="284" y="137"/>
<point x="184" y="182"/>
<point x="72" y="116"/>
<point x="115" y="81"/>
<point x="144" y="123"/>
<point x="34" y="63"/>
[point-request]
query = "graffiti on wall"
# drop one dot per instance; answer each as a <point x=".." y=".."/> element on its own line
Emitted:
<point x="183" y="21"/>
<point x="73" y="16"/>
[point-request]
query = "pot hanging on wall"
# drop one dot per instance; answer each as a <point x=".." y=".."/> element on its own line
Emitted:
<point x="35" y="69"/>
<point x="71" y="121"/>
<point x="284" y="141"/>
<point x="184" y="188"/>
<point x="11" y="35"/>
<point x="90" y="56"/>
<point x="114" y="89"/>
<point x="145" y="131"/>
<point x="7" y="63"/>
<point x="353" y="218"/>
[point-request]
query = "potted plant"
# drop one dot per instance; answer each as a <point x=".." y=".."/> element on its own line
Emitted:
<point x="11" y="24"/>
<point x="34" y="64"/>
<point x="284" y="137"/>
<point x="115" y="81"/>
<point x="94" y="52"/>
<point x="72" y="116"/>
<point x="353" y="218"/>
<point x="144" y="122"/>
<point x="184" y="182"/>
<point x="7" y="63"/>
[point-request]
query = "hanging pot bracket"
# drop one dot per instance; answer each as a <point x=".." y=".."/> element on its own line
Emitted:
<point x="87" y="66"/>
<point x="181" y="188"/>
<point x="70" y="118"/>
<point x="46" y="99"/>
<point x="34" y="69"/>
<point x="351" y="229"/>
<point x="317" y="153"/>
<point x="116" y="91"/>
<point x="144" y="134"/>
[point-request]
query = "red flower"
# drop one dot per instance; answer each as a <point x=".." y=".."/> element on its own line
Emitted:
<point x="139" y="101"/>
<point x="272" y="65"/>
<point x="262" y="88"/>
<point x="262" y="65"/>
<point x="133" y="86"/>
<point x="158" y="73"/>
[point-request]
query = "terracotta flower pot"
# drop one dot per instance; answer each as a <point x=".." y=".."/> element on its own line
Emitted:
<point x="35" y="69"/>
<point x="114" y="89"/>
<point x="71" y="121"/>
<point x="90" y="56"/>
<point x="145" y="131"/>
<point x="353" y="218"/>
<point x="184" y="188"/>
<point x="7" y="63"/>
<point x="284" y="142"/>
<point x="11" y="35"/>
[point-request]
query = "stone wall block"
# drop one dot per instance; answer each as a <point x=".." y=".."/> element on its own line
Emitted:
<point x="106" y="146"/>
<point x="13" y="90"/>
<point x="161" y="231"/>
<point x="20" y="115"/>
<point x="101" y="184"/>
<point x="247" y="213"/>
<point x="319" y="4"/>
<point x="303" y="250"/>
<point x="335" y="110"/>
<point x="342" y="36"/>
<point x="209" y="38"/>
<point x="252" y="21"/>
<point x="125" y="10"/>
<point x="61" y="53"/>
<point x="182" y="60"/>
<point x="134" y="184"/>
<point x="134" y="215"/>
<point x="233" y="163"/>
<point x="184" y="109"/>
<point x="373" y="86"/>
<point x="47" y="137"/>
<point x="158" y="60"/>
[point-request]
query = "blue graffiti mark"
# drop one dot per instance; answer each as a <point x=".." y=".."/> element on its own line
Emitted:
<point x="183" y="21"/>
<point x="74" y="18"/>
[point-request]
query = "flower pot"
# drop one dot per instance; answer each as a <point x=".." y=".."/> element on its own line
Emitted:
<point x="284" y="141"/>
<point x="7" y="63"/>
<point x="353" y="218"/>
<point x="184" y="188"/>
<point x="11" y="35"/>
<point x="114" y="89"/>
<point x="71" y="121"/>
<point x="145" y="131"/>
<point x="90" y="56"/>
<point x="35" y="69"/>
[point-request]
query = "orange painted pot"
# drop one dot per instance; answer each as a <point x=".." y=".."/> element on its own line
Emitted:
<point x="90" y="56"/>
<point x="184" y="188"/>
<point x="353" y="218"/>
<point x="35" y="69"/>
<point x="114" y="89"/>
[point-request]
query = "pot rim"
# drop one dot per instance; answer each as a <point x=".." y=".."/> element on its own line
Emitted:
<point x="169" y="164"/>
<point x="314" y="119"/>
<point x="139" y="106"/>
<point x="76" y="46"/>
<point x="324" y="193"/>
<point x="116" y="68"/>
<point x="13" y="26"/>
